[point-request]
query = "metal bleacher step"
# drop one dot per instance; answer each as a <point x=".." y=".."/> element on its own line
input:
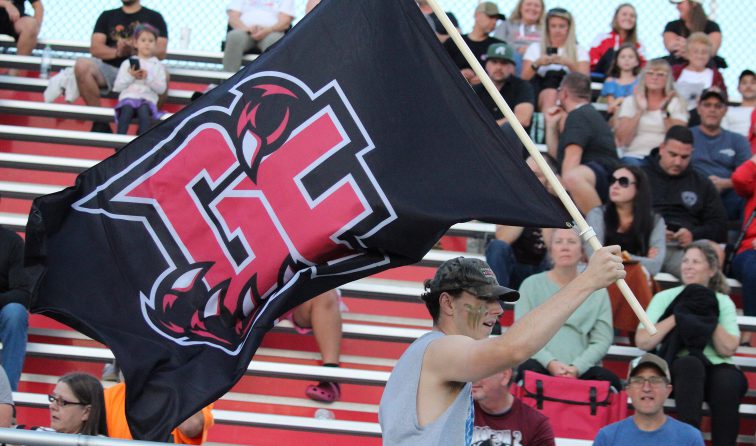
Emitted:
<point x="36" y="85"/>
<point x="63" y="111"/>
<point x="58" y="136"/>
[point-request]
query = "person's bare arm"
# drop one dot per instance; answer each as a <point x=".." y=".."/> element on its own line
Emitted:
<point x="311" y="4"/>
<point x="573" y="154"/>
<point x="508" y="233"/>
<point x="462" y="359"/>
<point x="724" y="342"/>
<point x="6" y="415"/>
<point x="627" y="128"/>
<point x="39" y="12"/>
<point x="99" y="50"/>
<point x="672" y="43"/>
<point x="524" y="113"/>
<point x="161" y="48"/>
<point x="716" y="42"/>
<point x="283" y="23"/>
<point x="192" y="426"/>
<point x="234" y="20"/>
<point x="645" y="341"/>
<point x="584" y="67"/>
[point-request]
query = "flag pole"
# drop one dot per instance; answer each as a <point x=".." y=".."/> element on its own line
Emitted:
<point x="586" y="232"/>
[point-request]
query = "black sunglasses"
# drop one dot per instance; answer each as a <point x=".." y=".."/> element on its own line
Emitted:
<point x="623" y="181"/>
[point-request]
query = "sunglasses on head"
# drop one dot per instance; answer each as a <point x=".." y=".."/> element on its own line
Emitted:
<point x="623" y="181"/>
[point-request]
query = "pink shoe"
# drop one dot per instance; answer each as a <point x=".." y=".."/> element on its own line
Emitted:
<point x="325" y="391"/>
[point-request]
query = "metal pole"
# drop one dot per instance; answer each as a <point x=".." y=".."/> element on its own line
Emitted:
<point x="43" y="438"/>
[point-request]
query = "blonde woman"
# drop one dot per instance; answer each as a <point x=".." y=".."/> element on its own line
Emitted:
<point x="523" y="28"/>
<point x="646" y="115"/>
<point x="546" y="62"/>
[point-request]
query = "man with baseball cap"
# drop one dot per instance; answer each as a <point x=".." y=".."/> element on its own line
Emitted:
<point x="648" y="386"/>
<point x="427" y="400"/>
<point x="500" y="66"/>
<point x="478" y="40"/>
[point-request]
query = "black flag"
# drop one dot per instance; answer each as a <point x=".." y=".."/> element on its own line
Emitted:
<point x="348" y="148"/>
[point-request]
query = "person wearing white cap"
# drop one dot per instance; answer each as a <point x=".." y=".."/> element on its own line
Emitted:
<point x="648" y="386"/>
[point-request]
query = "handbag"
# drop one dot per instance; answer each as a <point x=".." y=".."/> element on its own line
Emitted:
<point x="576" y="408"/>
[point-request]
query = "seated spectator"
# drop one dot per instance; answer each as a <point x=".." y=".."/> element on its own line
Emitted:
<point x="622" y="77"/>
<point x="744" y="262"/>
<point x="254" y="25"/>
<point x="628" y="220"/>
<point x="645" y="116"/>
<point x="686" y="198"/>
<point x="576" y="350"/>
<point x="112" y="43"/>
<point x="76" y="406"/>
<point x="311" y="4"/>
<point x="516" y="252"/>
<point x="7" y="406"/>
<point x="478" y="40"/>
<point x="546" y="63"/>
<point x="692" y="19"/>
<point x="192" y="431"/>
<point x="501" y="418"/>
<point x="693" y="77"/>
<point x="500" y="67"/>
<point x="523" y="27"/>
<point x="322" y="316"/>
<point x="697" y="335"/>
<point x="582" y="142"/>
<point x="23" y="28"/>
<point x="718" y="152"/>
<point x="434" y="21"/>
<point x="605" y="45"/>
<point x="648" y="387"/>
<point x="15" y="294"/>
<point x="742" y="119"/>
<point x="140" y="81"/>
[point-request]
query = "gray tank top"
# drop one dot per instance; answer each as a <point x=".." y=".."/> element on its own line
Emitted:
<point x="398" y="410"/>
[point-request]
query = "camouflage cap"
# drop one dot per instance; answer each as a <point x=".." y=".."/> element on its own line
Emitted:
<point x="471" y="275"/>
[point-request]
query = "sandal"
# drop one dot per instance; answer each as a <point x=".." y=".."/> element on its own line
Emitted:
<point x="325" y="391"/>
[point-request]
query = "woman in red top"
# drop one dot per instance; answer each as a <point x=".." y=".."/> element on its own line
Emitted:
<point x="744" y="263"/>
<point x="624" y="29"/>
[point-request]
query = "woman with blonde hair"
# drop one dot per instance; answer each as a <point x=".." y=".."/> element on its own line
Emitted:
<point x="606" y="45"/>
<point x="546" y="63"/>
<point x="646" y="115"/>
<point x="523" y="27"/>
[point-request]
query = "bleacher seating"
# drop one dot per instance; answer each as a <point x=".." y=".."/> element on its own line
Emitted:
<point x="364" y="370"/>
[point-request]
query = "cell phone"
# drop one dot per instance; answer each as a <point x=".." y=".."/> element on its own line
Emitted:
<point x="134" y="63"/>
<point x="550" y="51"/>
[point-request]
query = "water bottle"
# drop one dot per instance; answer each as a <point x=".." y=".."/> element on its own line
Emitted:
<point x="44" y="68"/>
<point x="324" y="414"/>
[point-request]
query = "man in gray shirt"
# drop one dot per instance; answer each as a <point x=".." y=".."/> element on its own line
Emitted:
<point x="428" y="400"/>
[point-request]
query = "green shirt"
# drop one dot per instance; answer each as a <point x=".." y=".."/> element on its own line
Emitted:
<point x="586" y="336"/>
<point x="728" y="319"/>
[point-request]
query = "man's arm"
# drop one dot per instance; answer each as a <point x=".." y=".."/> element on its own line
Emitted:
<point x="234" y="20"/>
<point x="573" y="154"/>
<point x="99" y="50"/>
<point x="462" y="359"/>
<point x="193" y="426"/>
<point x="524" y="113"/>
<point x="508" y="234"/>
<point x="39" y="12"/>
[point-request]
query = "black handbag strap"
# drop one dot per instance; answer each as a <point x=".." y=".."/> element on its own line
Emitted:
<point x="593" y="402"/>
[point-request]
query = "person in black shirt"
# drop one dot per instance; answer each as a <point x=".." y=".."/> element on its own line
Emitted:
<point x="582" y="142"/>
<point x="111" y="45"/>
<point x="15" y="293"/>
<point x="23" y="28"/>
<point x="500" y="66"/>
<point x="692" y="19"/>
<point x="486" y="16"/>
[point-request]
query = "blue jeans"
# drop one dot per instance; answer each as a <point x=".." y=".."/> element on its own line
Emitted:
<point x="14" y="324"/>
<point x="744" y="269"/>
<point x="509" y="272"/>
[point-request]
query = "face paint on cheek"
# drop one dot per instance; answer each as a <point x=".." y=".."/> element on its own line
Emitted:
<point x="475" y="314"/>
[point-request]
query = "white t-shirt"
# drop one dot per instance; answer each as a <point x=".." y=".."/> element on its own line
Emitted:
<point x="261" y="12"/>
<point x="534" y="52"/>
<point x="650" y="131"/>
<point x="690" y="84"/>
<point x="738" y="120"/>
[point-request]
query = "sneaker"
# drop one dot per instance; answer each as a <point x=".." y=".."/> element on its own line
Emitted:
<point x="101" y="127"/>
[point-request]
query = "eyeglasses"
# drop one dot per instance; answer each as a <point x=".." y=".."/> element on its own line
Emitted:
<point x="63" y="403"/>
<point x="640" y="381"/>
<point x="623" y="181"/>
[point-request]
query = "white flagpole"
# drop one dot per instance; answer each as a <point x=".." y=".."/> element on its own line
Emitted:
<point x="586" y="232"/>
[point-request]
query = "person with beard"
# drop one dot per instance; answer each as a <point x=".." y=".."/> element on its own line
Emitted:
<point x="500" y="67"/>
<point x="478" y="40"/>
<point x="112" y="43"/>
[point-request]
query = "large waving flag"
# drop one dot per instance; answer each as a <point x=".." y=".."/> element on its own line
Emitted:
<point x="348" y="148"/>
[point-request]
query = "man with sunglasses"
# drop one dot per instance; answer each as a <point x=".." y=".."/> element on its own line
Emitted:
<point x="686" y="198"/>
<point x="648" y="386"/>
<point x="718" y="152"/>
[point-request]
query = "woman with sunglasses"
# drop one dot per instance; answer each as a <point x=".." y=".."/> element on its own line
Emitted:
<point x="77" y="406"/>
<point x="698" y="345"/>
<point x="646" y="115"/>
<point x="546" y="63"/>
<point x="627" y="219"/>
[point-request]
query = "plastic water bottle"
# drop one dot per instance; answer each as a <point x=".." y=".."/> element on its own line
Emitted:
<point x="324" y="414"/>
<point x="44" y="68"/>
